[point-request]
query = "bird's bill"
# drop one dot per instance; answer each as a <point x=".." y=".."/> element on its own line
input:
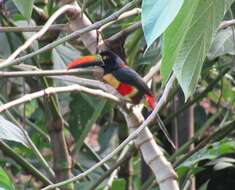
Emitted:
<point x="86" y="61"/>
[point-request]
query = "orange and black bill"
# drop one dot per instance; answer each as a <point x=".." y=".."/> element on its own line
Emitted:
<point x="86" y="61"/>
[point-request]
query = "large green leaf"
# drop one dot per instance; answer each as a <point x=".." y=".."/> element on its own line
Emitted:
<point x="191" y="52"/>
<point x="25" y="7"/>
<point x="175" y="35"/>
<point x="5" y="182"/>
<point x="156" y="16"/>
<point x="11" y="132"/>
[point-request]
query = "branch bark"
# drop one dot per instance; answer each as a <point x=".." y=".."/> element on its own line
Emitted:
<point x="55" y="27"/>
<point x="53" y="90"/>
<point x="50" y="72"/>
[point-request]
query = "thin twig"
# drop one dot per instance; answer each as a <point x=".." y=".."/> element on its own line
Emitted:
<point x="226" y="24"/>
<point x="153" y="71"/>
<point x="123" y="33"/>
<point x="114" y="173"/>
<point x="82" y="81"/>
<point x="135" y="11"/>
<point x="38" y="34"/>
<point x="125" y="142"/>
<point x="39" y="156"/>
<point x="113" y="167"/>
<point x="59" y="27"/>
<point x="53" y="90"/>
<point x="84" y="71"/>
<point x="71" y="36"/>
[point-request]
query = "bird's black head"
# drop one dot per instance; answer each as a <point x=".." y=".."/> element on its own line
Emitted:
<point x="111" y="61"/>
<point x="108" y="60"/>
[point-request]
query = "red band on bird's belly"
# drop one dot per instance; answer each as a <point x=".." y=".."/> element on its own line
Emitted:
<point x="82" y="60"/>
<point x="150" y="101"/>
<point x="124" y="89"/>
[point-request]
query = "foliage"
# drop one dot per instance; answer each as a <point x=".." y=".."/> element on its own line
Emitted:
<point x="210" y="152"/>
<point x="11" y="132"/>
<point x="185" y="36"/>
<point x="5" y="182"/>
<point x="157" y="16"/>
<point x="25" y="7"/>
<point x="223" y="44"/>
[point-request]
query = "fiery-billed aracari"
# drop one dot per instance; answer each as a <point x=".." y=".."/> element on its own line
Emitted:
<point x="125" y="80"/>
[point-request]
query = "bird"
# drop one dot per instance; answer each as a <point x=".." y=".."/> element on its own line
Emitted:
<point x="124" y="79"/>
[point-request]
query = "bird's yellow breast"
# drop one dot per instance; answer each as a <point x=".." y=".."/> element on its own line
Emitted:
<point x="110" y="79"/>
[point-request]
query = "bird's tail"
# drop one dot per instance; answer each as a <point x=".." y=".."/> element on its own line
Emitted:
<point x="150" y="103"/>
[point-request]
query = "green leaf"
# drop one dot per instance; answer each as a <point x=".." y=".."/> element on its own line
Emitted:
<point x="210" y="152"/>
<point x="11" y="132"/>
<point x="222" y="44"/>
<point x="156" y="16"/>
<point x="192" y="52"/>
<point x="175" y="35"/>
<point x="118" y="184"/>
<point x="25" y="7"/>
<point x="5" y="182"/>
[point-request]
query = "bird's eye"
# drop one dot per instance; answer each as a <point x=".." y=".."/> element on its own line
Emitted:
<point x="105" y="57"/>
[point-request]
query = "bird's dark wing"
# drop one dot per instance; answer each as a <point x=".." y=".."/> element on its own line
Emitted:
<point x="129" y="76"/>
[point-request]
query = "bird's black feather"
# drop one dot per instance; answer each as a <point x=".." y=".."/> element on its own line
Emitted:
<point x="129" y="76"/>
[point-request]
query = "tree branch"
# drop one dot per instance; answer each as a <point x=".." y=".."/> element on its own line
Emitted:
<point x="135" y="11"/>
<point x="125" y="142"/>
<point x="203" y="94"/>
<point x="116" y="165"/>
<point x="53" y="90"/>
<point x="37" y="35"/>
<point x="51" y="72"/>
<point x="226" y="24"/>
<point x="55" y="27"/>
<point x="75" y="34"/>
<point x="122" y="34"/>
